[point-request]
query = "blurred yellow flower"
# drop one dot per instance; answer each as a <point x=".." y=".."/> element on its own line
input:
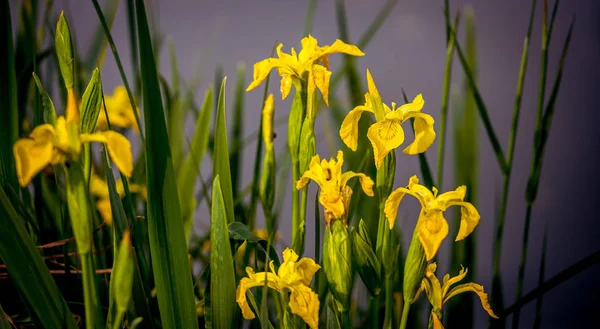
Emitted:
<point x="99" y="189"/>
<point x="439" y="295"/>
<point x="294" y="275"/>
<point x="312" y="60"/>
<point x="119" y="111"/>
<point x="334" y="195"/>
<point x="55" y="144"/>
<point x="432" y="227"/>
<point x="386" y="133"/>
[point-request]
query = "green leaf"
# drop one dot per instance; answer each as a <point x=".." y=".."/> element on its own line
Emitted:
<point x="9" y="122"/>
<point x="222" y="276"/>
<point x="188" y="174"/>
<point x="31" y="277"/>
<point x="3" y="320"/>
<point x="98" y="45"/>
<point x="64" y="51"/>
<point x="49" y="112"/>
<point x="168" y="248"/>
<point x="237" y="138"/>
<point x="221" y="165"/>
<point x="91" y="103"/>
<point x="239" y="231"/>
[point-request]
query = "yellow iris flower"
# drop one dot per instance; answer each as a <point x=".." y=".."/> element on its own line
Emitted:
<point x="119" y="111"/>
<point x="294" y="275"/>
<point x="55" y="144"/>
<point x="312" y="59"/>
<point x="439" y="295"/>
<point x="386" y="134"/>
<point x="99" y="189"/>
<point x="334" y="195"/>
<point x="432" y="227"/>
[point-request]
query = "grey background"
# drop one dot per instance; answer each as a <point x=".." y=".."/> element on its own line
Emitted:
<point x="409" y="52"/>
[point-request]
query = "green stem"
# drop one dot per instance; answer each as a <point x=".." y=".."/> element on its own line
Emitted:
<point x="374" y="311"/>
<point x="302" y="222"/>
<point x="89" y="290"/>
<point x="405" y="311"/>
<point x="389" y="302"/>
<point x="346" y="324"/>
<point x="521" y="276"/>
<point x="295" y="199"/>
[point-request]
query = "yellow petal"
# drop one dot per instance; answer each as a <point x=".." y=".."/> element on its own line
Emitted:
<point x="420" y="191"/>
<point x="437" y="324"/>
<point x="262" y="69"/>
<point x="289" y="255"/>
<point x="103" y="206"/>
<point x="286" y="86"/>
<point x="305" y="303"/>
<point x="341" y="47"/>
<point x="72" y="111"/>
<point x="118" y="148"/>
<point x="254" y="280"/>
<point x="432" y="229"/>
<point x="469" y="218"/>
<point x="315" y="172"/>
<point x="392" y="203"/>
<point x="385" y="136"/>
<point x="333" y="202"/>
<point x="98" y="187"/>
<point x="433" y="288"/>
<point x="349" y="128"/>
<point x="415" y="106"/>
<point x="61" y="139"/>
<point x="424" y="133"/>
<point x="476" y="288"/>
<point x="310" y="46"/>
<point x="449" y="282"/>
<point x="306" y="269"/>
<point x="365" y="181"/>
<point x="321" y="78"/>
<point x="31" y="157"/>
<point x="450" y="198"/>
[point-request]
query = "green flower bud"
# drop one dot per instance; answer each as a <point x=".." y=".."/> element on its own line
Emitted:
<point x="64" y="50"/>
<point x="123" y="274"/>
<point x="308" y="147"/>
<point x="267" y="180"/>
<point x="367" y="264"/>
<point x="295" y="123"/>
<point x="414" y="268"/>
<point x="78" y="206"/>
<point x="91" y="103"/>
<point x="337" y="263"/>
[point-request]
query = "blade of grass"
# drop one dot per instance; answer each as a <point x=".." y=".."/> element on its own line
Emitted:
<point x="258" y="155"/>
<point x="481" y="107"/>
<point x="113" y="47"/>
<point x="174" y="289"/>
<point x="561" y="277"/>
<point x="308" y="19"/>
<point x="222" y="281"/>
<point x="31" y="277"/>
<point x="497" y="294"/>
<point x="460" y="309"/>
<point x="541" y="136"/>
<point x="131" y="28"/>
<point x="97" y="48"/>
<point x="9" y="124"/>
<point x="237" y="131"/>
<point x="538" y="305"/>
<point x="221" y="166"/>
<point x="444" y="109"/>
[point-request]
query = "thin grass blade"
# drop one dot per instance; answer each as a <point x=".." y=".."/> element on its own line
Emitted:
<point x="174" y="289"/>
<point x="237" y="131"/>
<point x="31" y="277"/>
<point x="221" y="166"/>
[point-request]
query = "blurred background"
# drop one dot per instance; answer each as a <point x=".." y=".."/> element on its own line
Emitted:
<point x="408" y="53"/>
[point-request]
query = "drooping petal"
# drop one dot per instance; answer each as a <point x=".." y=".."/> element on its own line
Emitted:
<point x="392" y="203"/>
<point x="476" y="288"/>
<point x="321" y="78"/>
<point x="98" y="187"/>
<point x="434" y="290"/>
<point x="365" y="181"/>
<point x="432" y="229"/>
<point x="450" y="198"/>
<point x="253" y="280"/>
<point x="415" y="106"/>
<point x="103" y="206"/>
<point x="424" y="133"/>
<point x="284" y="66"/>
<point x="332" y="201"/>
<point x="421" y="192"/>
<point x="119" y="150"/>
<point x="450" y="281"/>
<point x="306" y="269"/>
<point x="385" y="136"/>
<point x="315" y="172"/>
<point x="469" y="218"/>
<point x="32" y="156"/>
<point x="349" y="128"/>
<point x="305" y="303"/>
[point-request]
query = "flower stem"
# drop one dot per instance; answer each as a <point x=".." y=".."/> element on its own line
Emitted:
<point x="389" y="302"/>
<point x="346" y="324"/>
<point x="89" y="290"/>
<point x="295" y="200"/>
<point x="404" y="320"/>
<point x="374" y="312"/>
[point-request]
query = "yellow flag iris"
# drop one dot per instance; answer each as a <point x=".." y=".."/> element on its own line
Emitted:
<point x="119" y="111"/>
<point x="387" y="134"/>
<point x="432" y="227"/>
<point x="99" y="189"/>
<point x="334" y="195"/>
<point x="55" y="144"/>
<point x="439" y="295"/>
<point x="312" y="59"/>
<point x="293" y="275"/>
